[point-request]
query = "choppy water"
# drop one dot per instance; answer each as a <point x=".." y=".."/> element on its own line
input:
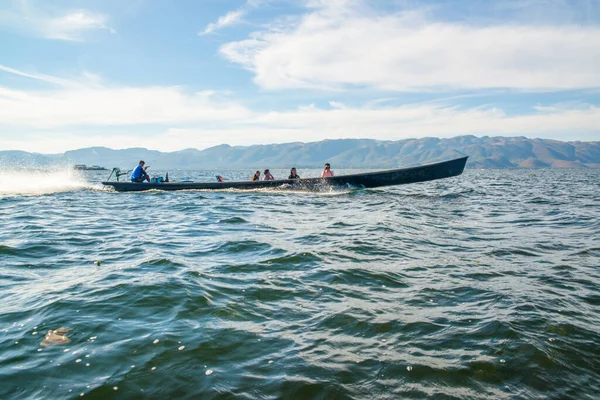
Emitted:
<point x="481" y="286"/>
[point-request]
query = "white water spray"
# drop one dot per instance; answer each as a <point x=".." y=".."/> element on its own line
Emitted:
<point x="38" y="182"/>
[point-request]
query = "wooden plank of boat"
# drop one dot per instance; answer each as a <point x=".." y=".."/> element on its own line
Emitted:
<point x="423" y="173"/>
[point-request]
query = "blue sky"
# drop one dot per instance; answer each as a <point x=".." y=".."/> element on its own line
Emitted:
<point x="171" y="75"/>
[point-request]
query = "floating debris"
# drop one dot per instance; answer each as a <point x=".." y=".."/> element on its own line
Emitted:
<point x="270" y="361"/>
<point x="502" y="361"/>
<point x="56" y="337"/>
<point x="155" y="341"/>
<point x="209" y="372"/>
<point x="78" y="360"/>
<point x="153" y="368"/>
<point x="115" y="388"/>
<point x="181" y="348"/>
<point x="98" y="263"/>
<point x="409" y="368"/>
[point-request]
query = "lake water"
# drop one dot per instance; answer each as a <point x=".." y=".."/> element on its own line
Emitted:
<point x="481" y="286"/>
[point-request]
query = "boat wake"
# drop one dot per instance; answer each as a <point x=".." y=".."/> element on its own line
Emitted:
<point x="40" y="182"/>
<point x="284" y="189"/>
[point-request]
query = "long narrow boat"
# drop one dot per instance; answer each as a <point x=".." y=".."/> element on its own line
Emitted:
<point x="429" y="172"/>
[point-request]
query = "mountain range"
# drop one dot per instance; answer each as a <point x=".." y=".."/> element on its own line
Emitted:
<point x="483" y="152"/>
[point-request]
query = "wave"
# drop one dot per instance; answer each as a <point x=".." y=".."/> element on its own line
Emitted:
<point x="36" y="183"/>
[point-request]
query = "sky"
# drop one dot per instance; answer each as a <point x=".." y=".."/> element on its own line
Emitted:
<point x="170" y="75"/>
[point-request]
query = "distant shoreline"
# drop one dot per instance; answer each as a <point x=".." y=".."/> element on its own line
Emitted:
<point x="484" y="152"/>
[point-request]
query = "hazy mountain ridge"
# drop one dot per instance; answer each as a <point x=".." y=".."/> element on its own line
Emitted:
<point x="484" y="152"/>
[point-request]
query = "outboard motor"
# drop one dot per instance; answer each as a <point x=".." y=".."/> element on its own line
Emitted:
<point x="117" y="172"/>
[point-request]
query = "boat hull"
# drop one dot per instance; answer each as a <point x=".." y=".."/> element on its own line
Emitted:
<point x="429" y="172"/>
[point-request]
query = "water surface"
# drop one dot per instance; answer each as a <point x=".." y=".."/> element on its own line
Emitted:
<point x="479" y="286"/>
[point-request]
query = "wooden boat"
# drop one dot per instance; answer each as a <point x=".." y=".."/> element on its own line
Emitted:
<point x="429" y="172"/>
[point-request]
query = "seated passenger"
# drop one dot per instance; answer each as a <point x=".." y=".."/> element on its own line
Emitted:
<point x="267" y="176"/>
<point x="327" y="172"/>
<point x="293" y="174"/>
<point x="256" y="176"/>
<point x="139" y="173"/>
<point x="219" y="178"/>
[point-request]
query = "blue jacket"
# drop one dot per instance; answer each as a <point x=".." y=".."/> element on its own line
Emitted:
<point x="138" y="172"/>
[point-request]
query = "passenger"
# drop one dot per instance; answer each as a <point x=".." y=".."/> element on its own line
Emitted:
<point x="139" y="173"/>
<point x="327" y="172"/>
<point x="256" y="176"/>
<point x="267" y="176"/>
<point x="293" y="174"/>
<point x="219" y="178"/>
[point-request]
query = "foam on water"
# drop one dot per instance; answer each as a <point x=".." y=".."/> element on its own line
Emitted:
<point x="39" y="182"/>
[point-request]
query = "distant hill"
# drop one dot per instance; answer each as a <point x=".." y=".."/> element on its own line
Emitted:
<point x="484" y="152"/>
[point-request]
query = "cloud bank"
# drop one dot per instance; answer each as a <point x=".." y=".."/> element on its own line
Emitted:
<point x="342" y="44"/>
<point x="207" y="118"/>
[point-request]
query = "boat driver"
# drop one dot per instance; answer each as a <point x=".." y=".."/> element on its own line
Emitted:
<point x="139" y="173"/>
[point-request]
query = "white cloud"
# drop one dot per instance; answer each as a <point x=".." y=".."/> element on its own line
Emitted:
<point x="312" y="124"/>
<point x="430" y="120"/>
<point x="85" y="102"/>
<point x="337" y="104"/>
<point x="231" y="18"/>
<point x="40" y="77"/>
<point x="344" y="44"/>
<point x="72" y="26"/>
<point x="111" y="106"/>
<point x="51" y="23"/>
<point x="75" y="113"/>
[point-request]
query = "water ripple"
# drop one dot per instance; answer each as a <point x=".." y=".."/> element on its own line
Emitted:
<point x="480" y="286"/>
